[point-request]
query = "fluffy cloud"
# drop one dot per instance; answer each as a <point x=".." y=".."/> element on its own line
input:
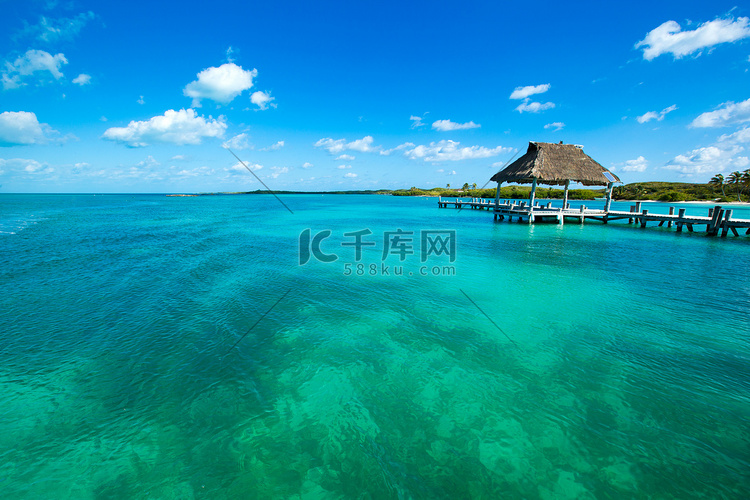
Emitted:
<point x="416" y="122"/>
<point x="739" y="137"/>
<point x="555" y="125"/>
<point x="709" y="160"/>
<point x="239" y="169"/>
<point x="728" y="113"/>
<point x="238" y="142"/>
<point x="345" y="157"/>
<point x="670" y="39"/>
<point x="655" y="115"/>
<point x="451" y="151"/>
<point x="529" y="106"/>
<point x="307" y="165"/>
<point x="351" y="175"/>
<point x="263" y="100"/>
<point x="25" y="166"/>
<point x="82" y="79"/>
<point x="176" y="127"/>
<point x="220" y="84"/>
<point x="278" y="171"/>
<point x="33" y="61"/>
<point x="526" y="92"/>
<point x="53" y="30"/>
<point x="447" y="125"/>
<point x="274" y="147"/>
<point x="22" y="128"/>
<point x="337" y="146"/>
<point x="342" y="167"/>
<point x="534" y="107"/>
<point x="638" y="165"/>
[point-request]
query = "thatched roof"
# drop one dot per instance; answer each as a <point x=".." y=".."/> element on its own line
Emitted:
<point x="554" y="164"/>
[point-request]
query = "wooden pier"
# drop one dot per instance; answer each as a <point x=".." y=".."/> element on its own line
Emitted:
<point x="717" y="221"/>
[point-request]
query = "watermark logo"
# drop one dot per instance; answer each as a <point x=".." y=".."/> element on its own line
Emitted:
<point x="435" y="245"/>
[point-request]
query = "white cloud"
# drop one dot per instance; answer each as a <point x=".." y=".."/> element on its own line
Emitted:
<point x="405" y="145"/>
<point x="363" y="145"/>
<point x="179" y="158"/>
<point x="337" y="146"/>
<point x="728" y="113"/>
<point x="709" y="160"/>
<point x="351" y="175"/>
<point x="670" y="39"/>
<point x="195" y="172"/>
<point x="307" y="165"/>
<point x="53" y="30"/>
<point x="655" y="115"/>
<point x="177" y="127"/>
<point x="140" y="100"/>
<point x="263" y="100"/>
<point x="342" y="167"/>
<point x="739" y="137"/>
<point x="638" y="165"/>
<point x="452" y="172"/>
<point x="416" y="122"/>
<point x="238" y="142"/>
<point x="148" y="162"/>
<point x="220" y="84"/>
<point x="534" y="107"/>
<point x="451" y="151"/>
<point x="82" y="79"/>
<point x="19" y="128"/>
<point x="274" y="147"/>
<point x="25" y="166"/>
<point x="33" y="61"/>
<point x="345" y="157"/>
<point x="525" y="92"/>
<point x="556" y="125"/>
<point x="447" y="125"/>
<point x="239" y="169"/>
<point x="278" y="171"/>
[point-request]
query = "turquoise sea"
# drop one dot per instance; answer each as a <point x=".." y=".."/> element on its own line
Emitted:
<point x="164" y="347"/>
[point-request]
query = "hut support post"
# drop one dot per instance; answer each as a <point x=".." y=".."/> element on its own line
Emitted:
<point x="609" y="196"/>
<point x="565" y="195"/>
<point x="532" y="196"/>
<point x="497" y="194"/>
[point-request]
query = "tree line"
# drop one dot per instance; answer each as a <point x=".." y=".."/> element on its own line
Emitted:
<point x="737" y="181"/>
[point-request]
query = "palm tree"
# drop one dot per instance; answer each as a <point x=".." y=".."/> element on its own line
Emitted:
<point x="718" y="180"/>
<point x="448" y="186"/>
<point x="735" y="178"/>
<point x="745" y="179"/>
<point x="474" y="186"/>
<point x="465" y="186"/>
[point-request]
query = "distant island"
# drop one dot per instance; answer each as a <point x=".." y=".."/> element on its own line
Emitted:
<point x="654" y="191"/>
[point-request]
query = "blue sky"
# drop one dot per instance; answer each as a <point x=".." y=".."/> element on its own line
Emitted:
<point x="142" y="97"/>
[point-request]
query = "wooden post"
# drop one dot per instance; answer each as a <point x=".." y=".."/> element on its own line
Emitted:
<point x="565" y="195"/>
<point x="497" y="194"/>
<point x="671" y="212"/>
<point x="643" y="219"/>
<point x="725" y="224"/>
<point x="533" y="192"/>
<point x="680" y="216"/>
<point x="609" y="196"/>
<point x="713" y="227"/>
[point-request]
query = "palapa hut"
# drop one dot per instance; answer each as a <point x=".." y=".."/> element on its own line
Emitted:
<point x="556" y="165"/>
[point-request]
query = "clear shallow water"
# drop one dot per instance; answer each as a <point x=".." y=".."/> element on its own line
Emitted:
<point x="622" y="369"/>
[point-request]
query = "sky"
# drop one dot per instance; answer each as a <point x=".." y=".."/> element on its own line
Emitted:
<point x="107" y="97"/>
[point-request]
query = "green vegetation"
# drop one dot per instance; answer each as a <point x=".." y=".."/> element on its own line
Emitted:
<point x="735" y="185"/>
